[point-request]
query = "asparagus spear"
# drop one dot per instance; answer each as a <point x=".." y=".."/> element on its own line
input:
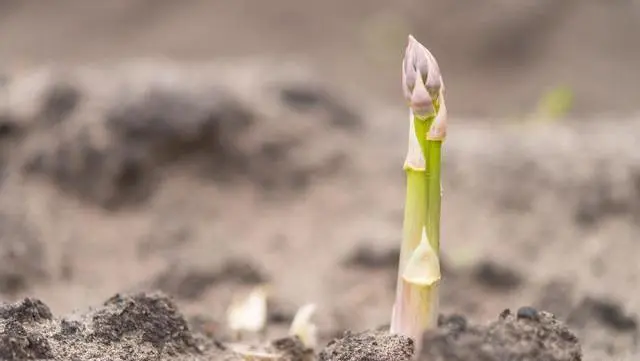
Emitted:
<point x="416" y="304"/>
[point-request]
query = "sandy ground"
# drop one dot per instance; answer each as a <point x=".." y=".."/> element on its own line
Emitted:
<point x="204" y="178"/>
<point x="204" y="181"/>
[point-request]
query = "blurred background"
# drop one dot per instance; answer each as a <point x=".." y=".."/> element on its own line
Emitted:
<point x="205" y="147"/>
<point x="491" y="51"/>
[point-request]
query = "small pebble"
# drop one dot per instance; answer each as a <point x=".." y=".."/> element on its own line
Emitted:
<point x="528" y="313"/>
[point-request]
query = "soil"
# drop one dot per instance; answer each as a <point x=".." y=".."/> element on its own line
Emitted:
<point x="126" y="327"/>
<point x="147" y="326"/>
<point x="526" y="336"/>
<point x="138" y="198"/>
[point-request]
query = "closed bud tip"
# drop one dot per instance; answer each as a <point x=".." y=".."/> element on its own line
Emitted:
<point x="421" y="79"/>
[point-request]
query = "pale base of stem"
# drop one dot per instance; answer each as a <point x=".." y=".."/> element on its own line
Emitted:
<point x="415" y="310"/>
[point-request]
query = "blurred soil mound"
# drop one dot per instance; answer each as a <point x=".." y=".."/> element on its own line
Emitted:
<point x="107" y="135"/>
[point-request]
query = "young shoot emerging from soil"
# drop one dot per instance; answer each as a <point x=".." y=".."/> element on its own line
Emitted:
<point x="416" y="303"/>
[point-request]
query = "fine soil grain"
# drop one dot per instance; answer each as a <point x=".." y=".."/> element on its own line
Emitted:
<point x="132" y="327"/>
<point x="529" y="335"/>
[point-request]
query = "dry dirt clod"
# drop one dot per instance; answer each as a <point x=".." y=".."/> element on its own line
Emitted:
<point x="28" y="310"/>
<point x="16" y="343"/>
<point x="143" y="326"/>
<point x="155" y="316"/>
<point x="530" y="336"/>
<point x="369" y="346"/>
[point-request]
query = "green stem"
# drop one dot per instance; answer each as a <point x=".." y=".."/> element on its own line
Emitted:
<point x="416" y="305"/>
<point x="434" y="192"/>
<point x="415" y="209"/>
<point x="431" y="154"/>
<point x="415" y="212"/>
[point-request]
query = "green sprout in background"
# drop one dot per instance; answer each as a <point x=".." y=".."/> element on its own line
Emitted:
<point x="555" y="103"/>
<point x="416" y="304"/>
